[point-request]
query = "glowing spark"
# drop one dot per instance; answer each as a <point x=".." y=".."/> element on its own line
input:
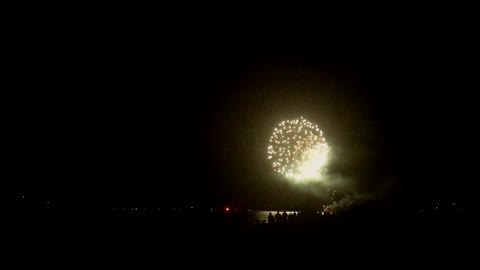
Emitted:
<point x="308" y="154"/>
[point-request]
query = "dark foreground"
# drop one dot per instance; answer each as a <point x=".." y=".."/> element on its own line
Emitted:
<point x="200" y="232"/>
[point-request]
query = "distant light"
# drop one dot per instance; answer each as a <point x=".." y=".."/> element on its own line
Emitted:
<point x="48" y="201"/>
<point x="227" y="209"/>
<point x="191" y="207"/>
<point x="323" y="213"/>
<point x="23" y="197"/>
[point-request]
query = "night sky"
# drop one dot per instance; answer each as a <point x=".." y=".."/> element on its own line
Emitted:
<point x="183" y="118"/>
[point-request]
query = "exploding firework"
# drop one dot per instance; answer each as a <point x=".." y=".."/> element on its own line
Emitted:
<point x="298" y="150"/>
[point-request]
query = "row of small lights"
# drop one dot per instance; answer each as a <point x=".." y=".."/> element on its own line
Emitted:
<point x="227" y="209"/>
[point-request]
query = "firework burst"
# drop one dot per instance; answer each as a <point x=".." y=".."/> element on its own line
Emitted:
<point x="298" y="150"/>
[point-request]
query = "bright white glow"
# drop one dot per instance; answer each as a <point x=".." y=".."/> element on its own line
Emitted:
<point x="314" y="159"/>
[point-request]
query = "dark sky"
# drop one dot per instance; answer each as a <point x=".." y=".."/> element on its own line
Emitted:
<point x="135" y="117"/>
